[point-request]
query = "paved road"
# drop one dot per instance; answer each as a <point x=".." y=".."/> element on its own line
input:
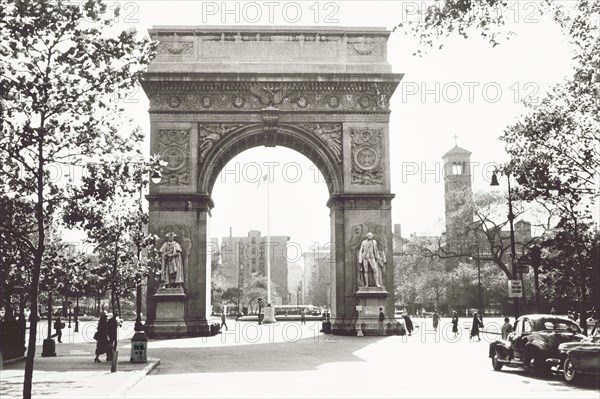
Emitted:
<point x="290" y="360"/>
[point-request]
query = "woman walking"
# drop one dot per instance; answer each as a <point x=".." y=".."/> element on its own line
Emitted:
<point x="475" y="327"/>
<point x="102" y="341"/>
<point x="455" y="324"/>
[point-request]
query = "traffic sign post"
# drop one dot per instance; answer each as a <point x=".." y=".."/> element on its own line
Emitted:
<point x="515" y="289"/>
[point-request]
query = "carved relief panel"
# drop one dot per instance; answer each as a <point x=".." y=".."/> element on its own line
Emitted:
<point x="174" y="148"/>
<point x="366" y="149"/>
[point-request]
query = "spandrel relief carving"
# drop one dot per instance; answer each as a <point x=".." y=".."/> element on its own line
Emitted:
<point x="330" y="134"/>
<point x="209" y="134"/>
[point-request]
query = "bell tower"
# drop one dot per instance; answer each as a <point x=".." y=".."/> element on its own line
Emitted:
<point x="458" y="196"/>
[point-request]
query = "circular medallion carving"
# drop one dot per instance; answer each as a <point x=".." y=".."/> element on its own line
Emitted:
<point x="366" y="157"/>
<point x="174" y="102"/>
<point x="206" y="102"/>
<point x="302" y="102"/>
<point x="364" y="102"/>
<point x="238" y="101"/>
<point x="333" y="102"/>
<point x="174" y="156"/>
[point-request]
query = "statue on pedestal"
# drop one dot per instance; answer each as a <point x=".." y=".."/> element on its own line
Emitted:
<point x="171" y="266"/>
<point x="369" y="259"/>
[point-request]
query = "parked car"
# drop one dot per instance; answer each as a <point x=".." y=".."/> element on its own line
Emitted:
<point x="534" y="343"/>
<point x="577" y="358"/>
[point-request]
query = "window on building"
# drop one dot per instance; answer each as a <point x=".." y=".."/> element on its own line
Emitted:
<point x="457" y="168"/>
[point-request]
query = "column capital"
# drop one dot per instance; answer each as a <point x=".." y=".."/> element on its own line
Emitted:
<point x="361" y="201"/>
<point x="180" y="202"/>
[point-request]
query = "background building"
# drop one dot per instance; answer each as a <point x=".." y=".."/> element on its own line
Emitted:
<point x="295" y="277"/>
<point x="317" y="278"/>
<point x="243" y="257"/>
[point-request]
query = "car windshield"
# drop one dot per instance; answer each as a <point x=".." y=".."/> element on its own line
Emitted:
<point x="561" y="325"/>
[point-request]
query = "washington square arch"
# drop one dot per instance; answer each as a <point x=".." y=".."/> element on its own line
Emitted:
<point x="324" y="92"/>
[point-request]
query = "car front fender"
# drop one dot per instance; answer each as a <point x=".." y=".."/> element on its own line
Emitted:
<point x="499" y="346"/>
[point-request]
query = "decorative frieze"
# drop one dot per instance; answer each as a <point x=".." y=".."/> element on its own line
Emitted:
<point x="174" y="148"/>
<point x="367" y="156"/>
<point x="289" y="96"/>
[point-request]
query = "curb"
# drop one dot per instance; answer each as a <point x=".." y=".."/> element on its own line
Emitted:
<point x="15" y="360"/>
<point x="131" y="382"/>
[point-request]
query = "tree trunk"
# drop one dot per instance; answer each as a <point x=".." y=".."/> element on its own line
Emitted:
<point x="37" y="263"/>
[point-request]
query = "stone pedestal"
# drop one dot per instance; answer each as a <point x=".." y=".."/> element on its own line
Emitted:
<point x="170" y="314"/>
<point x="369" y="300"/>
<point x="269" y="315"/>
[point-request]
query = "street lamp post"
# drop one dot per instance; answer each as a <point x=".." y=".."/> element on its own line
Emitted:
<point x="481" y="306"/>
<point x="49" y="346"/>
<point x="77" y="314"/>
<point x="511" y="217"/>
<point x="139" y="341"/>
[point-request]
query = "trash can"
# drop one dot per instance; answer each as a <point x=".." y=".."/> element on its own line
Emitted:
<point x="139" y="348"/>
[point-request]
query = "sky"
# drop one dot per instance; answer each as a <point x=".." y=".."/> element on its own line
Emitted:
<point x="467" y="89"/>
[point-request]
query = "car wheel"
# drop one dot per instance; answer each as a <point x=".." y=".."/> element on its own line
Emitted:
<point x="536" y="364"/>
<point x="569" y="373"/>
<point x="496" y="364"/>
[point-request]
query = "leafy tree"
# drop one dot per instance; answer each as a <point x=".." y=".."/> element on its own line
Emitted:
<point x="106" y="208"/>
<point x="570" y="267"/>
<point x="487" y="238"/>
<point x="555" y="145"/>
<point x="62" y="69"/>
<point x="450" y="17"/>
<point x="256" y="288"/>
<point x="16" y="258"/>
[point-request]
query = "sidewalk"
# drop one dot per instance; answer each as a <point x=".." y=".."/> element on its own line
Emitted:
<point x="73" y="374"/>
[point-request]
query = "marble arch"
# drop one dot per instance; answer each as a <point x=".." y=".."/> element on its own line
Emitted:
<point x="215" y="92"/>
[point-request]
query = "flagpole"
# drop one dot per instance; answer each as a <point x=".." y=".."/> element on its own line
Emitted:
<point x="268" y="244"/>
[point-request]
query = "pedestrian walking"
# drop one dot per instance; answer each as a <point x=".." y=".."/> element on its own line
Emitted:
<point x="260" y="316"/>
<point x="223" y="321"/>
<point x="102" y="341"/>
<point x="455" y="324"/>
<point x="381" y="320"/>
<point x="506" y="328"/>
<point x="58" y="326"/>
<point x="303" y="316"/>
<point x="408" y="323"/>
<point x="475" y="327"/>
<point x="113" y="326"/>
<point x="436" y="320"/>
